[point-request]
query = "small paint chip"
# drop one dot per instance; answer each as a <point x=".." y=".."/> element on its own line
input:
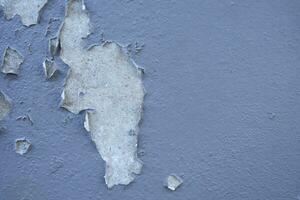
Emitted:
<point x="4" y="105"/>
<point x="173" y="182"/>
<point x="26" y="117"/>
<point x="22" y="146"/>
<point x="12" y="60"/>
<point x="49" y="68"/>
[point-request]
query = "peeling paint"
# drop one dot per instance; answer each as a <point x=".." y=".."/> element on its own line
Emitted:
<point x="28" y="10"/>
<point x="5" y="105"/>
<point x="103" y="78"/>
<point x="173" y="182"/>
<point x="49" y="68"/>
<point x="11" y="61"/>
<point x="25" y="117"/>
<point x="135" y="48"/>
<point x="87" y="121"/>
<point x="53" y="46"/>
<point x="22" y="146"/>
<point x="52" y="23"/>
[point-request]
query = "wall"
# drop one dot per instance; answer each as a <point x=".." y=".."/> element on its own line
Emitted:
<point x="222" y="107"/>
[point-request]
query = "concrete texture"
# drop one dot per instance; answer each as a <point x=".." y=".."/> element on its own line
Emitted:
<point x="222" y="109"/>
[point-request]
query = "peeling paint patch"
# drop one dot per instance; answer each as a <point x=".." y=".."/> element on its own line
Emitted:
<point x="104" y="79"/>
<point x="5" y="105"/>
<point x="11" y="62"/>
<point x="28" y="10"/>
<point x="49" y="68"/>
<point x="22" y="146"/>
<point x="173" y="182"/>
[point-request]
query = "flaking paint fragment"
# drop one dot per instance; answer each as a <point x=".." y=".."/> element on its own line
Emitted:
<point x="26" y="117"/>
<point x="11" y="61"/>
<point x="87" y="121"/>
<point x="173" y="182"/>
<point x="53" y="46"/>
<point x="49" y="68"/>
<point x="28" y="10"/>
<point x="52" y="23"/>
<point x="5" y="105"/>
<point x="22" y="146"/>
<point x="103" y="78"/>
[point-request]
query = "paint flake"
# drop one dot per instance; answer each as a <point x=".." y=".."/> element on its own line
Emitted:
<point x="22" y="146"/>
<point x="11" y="62"/>
<point x="104" y="79"/>
<point x="49" y="68"/>
<point x="53" y="46"/>
<point x="87" y="121"/>
<point x="173" y="182"/>
<point x="25" y="117"/>
<point x="5" y="105"/>
<point x="28" y="10"/>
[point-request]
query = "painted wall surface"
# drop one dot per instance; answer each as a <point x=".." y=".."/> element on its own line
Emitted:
<point x="222" y="107"/>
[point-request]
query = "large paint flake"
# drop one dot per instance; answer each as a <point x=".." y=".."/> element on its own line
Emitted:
<point x="28" y="10"/>
<point x="104" y="81"/>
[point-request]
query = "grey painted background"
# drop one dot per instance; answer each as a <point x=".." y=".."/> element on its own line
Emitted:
<point x="222" y="109"/>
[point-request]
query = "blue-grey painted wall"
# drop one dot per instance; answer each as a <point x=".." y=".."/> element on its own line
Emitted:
<point x="222" y="109"/>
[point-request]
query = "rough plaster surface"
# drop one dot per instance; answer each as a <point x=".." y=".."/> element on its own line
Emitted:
<point x="222" y="104"/>
<point x="105" y="80"/>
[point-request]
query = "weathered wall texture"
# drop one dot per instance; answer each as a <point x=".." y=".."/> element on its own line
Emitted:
<point x="222" y="108"/>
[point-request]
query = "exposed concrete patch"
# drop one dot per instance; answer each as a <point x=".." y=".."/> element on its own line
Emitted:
<point x="49" y="68"/>
<point x="22" y="146"/>
<point x="5" y="105"/>
<point x="28" y="10"/>
<point x="173" y="182"/>
<point x="11" y="62"/>
<point x="103" y="78"/>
